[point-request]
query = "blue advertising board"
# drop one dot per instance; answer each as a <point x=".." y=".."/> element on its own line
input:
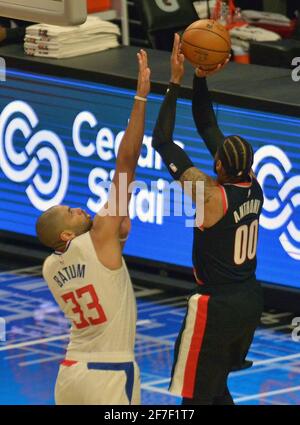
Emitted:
<point x="58" y="144"/>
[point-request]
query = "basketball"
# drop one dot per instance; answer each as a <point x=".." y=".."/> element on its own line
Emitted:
<point x="206" y="44"/>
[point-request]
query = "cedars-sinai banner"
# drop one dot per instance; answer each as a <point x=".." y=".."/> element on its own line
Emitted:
<point x="58" y="144"/>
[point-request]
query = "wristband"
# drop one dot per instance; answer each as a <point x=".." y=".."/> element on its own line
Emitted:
<point x="123" y="239"/>
<point x="142" y="99"/>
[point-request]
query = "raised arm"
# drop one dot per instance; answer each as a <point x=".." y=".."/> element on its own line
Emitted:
<point x="204" y="115"/>
<point x="175" y="158"/>
<point x="203" y="111"/>
<point x="107" y="232"/>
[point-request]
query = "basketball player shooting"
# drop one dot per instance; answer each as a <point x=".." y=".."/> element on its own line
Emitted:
<point x="224" y="312"/>
<point x="89" y="280"/>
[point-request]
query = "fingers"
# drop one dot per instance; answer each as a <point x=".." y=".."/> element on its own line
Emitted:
<point x="147" y="73"/>
<point x="143" y="83"/>
<point x="176" y="45"/>
<point x="200" y="72"/>
<point x="180" y="47"/>
<point x="226" y="61"/>
<point x="181" y="57"/>
<point x="142" y="59"/>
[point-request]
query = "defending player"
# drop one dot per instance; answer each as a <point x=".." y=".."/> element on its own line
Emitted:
<point x="89" y="279"/>
<point x="223" y="314"/>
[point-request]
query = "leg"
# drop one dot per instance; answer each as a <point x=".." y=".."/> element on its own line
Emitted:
<point x="225" y="399"/>
<point x="189" y="346"/>
<point x="251" y="307"/>
<point x="136" y="394"/>
<point x="195" y="402"/>
<point x="202" y="361"/>
<point x="69" y="384"/>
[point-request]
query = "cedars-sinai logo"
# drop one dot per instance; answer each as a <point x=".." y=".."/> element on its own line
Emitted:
<point x="2" y="70"/>
<point x="279" y="211"/>
<point x="23" y="165"/>
<point x="296" y="71"/>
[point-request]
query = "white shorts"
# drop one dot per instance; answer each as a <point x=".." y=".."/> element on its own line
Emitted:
<point x="98" y="383"/>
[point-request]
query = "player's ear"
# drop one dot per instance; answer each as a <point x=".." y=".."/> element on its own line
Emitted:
<point x="66" y="235"/>
<point x="219" y="166"/>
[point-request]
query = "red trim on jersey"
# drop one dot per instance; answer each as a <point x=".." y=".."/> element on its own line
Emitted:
<point x="195" y="347"/>
<point x="198" y="281"/>
<point x="68" y="363"/>
<point x="242" y="184"/>
<point x="224" y="199"/>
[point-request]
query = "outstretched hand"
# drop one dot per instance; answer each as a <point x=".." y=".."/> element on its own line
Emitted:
<point x="203" y="73"/>
<point x="143" y="86"/>
<point x="177" y="61"/>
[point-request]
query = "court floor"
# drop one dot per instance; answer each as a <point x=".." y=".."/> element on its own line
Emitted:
<point x="37" y="335"/>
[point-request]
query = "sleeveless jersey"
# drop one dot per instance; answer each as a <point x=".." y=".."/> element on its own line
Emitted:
<point x="99" y="302"/>
<point x="226" y="252"/>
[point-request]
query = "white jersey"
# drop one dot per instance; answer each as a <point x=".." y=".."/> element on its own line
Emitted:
<point x="99" y="302"/>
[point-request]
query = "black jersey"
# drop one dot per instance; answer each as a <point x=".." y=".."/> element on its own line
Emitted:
<point x="226" y="252"/>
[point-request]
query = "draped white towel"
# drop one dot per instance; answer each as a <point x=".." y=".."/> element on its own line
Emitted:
<point x="52" y="41"/>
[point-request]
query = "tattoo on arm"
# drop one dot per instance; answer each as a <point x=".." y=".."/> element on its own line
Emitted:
<point x="193" y="175"/>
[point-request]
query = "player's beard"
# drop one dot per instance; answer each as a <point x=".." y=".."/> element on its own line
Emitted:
<point x="89" y="224"/>
<point x="84" y="227"/>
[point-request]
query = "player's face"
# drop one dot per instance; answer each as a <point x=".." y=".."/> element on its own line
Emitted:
<point x="218" y="169"/>
<point x="216" y="164"/>
<point x="76" y="219"/>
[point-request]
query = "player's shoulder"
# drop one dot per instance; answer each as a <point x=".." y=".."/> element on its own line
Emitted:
<point x="48" y="265"/>
<point x="79" y="243"/>
<point x="82" y="247"/>
<point x="83" y="244"/>
<point x="256" y="184"/>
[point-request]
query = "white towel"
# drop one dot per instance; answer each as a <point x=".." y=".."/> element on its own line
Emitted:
<point x="61" y="52"/>
<point x="68" y="41"/>
<point x="251" y="33"/>
<point x="93" y="36"/>
<point x="93" y="25"/>
<point x="254" y="16"/>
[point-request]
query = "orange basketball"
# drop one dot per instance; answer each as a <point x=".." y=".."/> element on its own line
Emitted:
<point x="206" y="44"/>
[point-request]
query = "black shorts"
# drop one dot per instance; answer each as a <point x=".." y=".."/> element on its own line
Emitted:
<point x="215" y="337"/>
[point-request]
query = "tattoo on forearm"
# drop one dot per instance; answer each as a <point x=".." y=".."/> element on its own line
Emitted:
<point x="194" y="176"/>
